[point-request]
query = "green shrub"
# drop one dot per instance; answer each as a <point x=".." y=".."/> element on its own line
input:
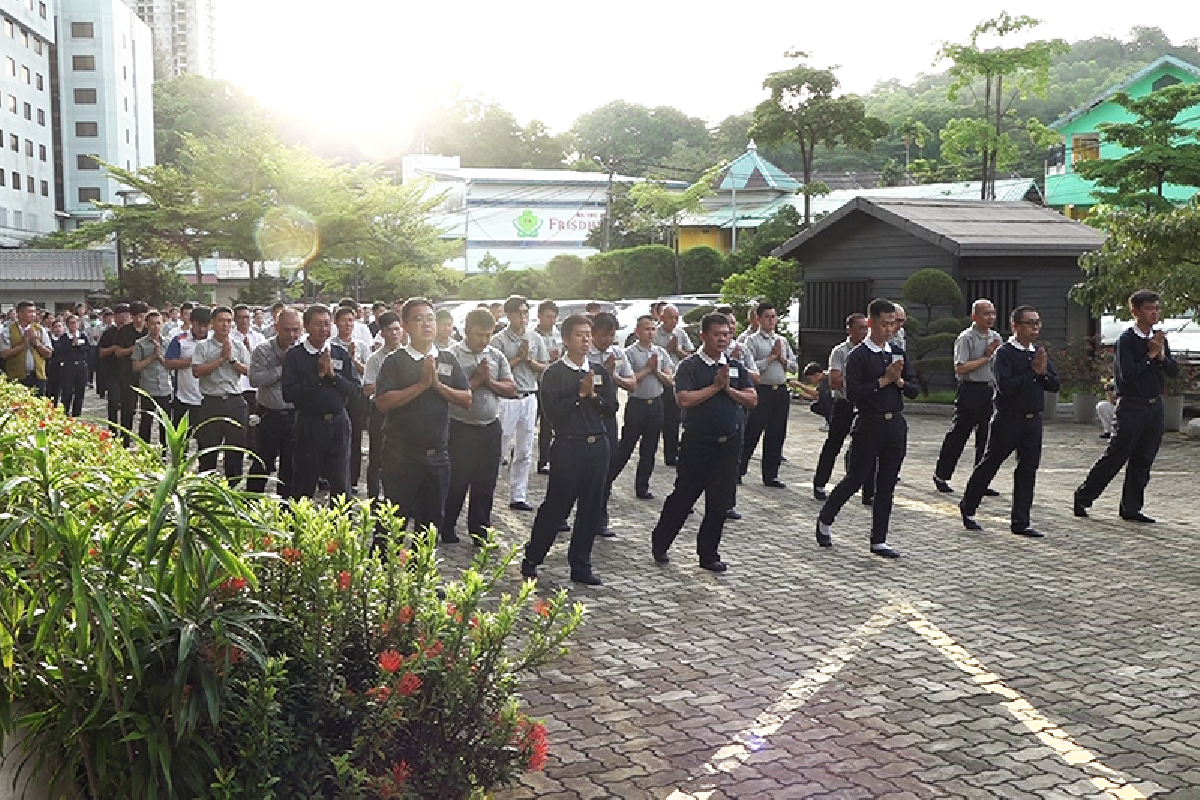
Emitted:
<point x="696" y="314"/>
<point x="702" y="269"/>
<point x="946" y="325"/>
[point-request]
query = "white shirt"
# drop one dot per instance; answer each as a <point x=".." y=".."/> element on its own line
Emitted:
<point x="374" y="364"/>
<point x="6" y="343"/>
<point x="252" y="339"/>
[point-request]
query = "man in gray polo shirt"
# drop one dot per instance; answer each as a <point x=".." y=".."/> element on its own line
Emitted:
<point x="768" y="420"/>
<point x="528" y="358"/>
<point x="220" y="363"/>
<point x="672" y="338"/>
<point x="277" y="417"/>
<point x="973" y="401"/>
<point x="843" y="410"/>
<point x="475" y="432"/>
<point x="149" y="354"/>
<point x="643" y="406"/>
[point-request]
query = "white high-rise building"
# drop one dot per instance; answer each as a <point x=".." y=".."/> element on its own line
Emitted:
<point x="185" y="35"/>
<point x="105" y="75"/>
<point x="27" y="202"/>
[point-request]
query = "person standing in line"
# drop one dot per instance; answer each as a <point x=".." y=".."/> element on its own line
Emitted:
<point x="392" y="332"/>
<point x="973" y="351"/>
<point x="274" y="438"/>
<point x="126" y="338"/>
<point x="244" y="332"/>
<point x="219" y="363"/>
<point x="1141" y="365"/>
<point x="711" y="389"/>
<point x="108" y="373"/>
<point x="475" y="432"/>
<point x="547" y="312"/>
<point x="877" y="378"/>
<point x="351" y="335"/>
<point x="768" y="420"/>
<point x="268" y="330"/>
<point x="672" y="338"/>
<point x="415" y="388"/>
<point x="643" y="407"/>
<point x="1023" y="374"/>
<point x="319" y="379"/>
<point x="57" y="330"/>
<point x="897" y="340"/>
<point x="1106" y="410"/>
<point x="378" y="308"/>
<point x="899" y="333"/>
<point x="604" y="351"/>
<point x="179" y="358"/>
<point x="444" y="335"/>
<point x="742" y="355"/>
<point x="96" y="325"/>
<point x="149" y="357"/>
<point x="528" y="358"/>
<point x="71" y="352"/>
<point x="576" y="396"/>
<point x="26" y="348"/>
<point x="752" y="326"/>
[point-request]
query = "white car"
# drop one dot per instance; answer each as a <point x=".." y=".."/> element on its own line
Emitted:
<point x="1183" y="336"/>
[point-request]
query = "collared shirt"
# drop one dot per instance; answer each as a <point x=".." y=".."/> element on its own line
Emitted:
<point x="719" y="415"/>
<point x="266" y="375"/>
<point x="187" y="385"/>
<point x="837" y="360"/>
<point x="1019" y="389"/>
<point x="739" y="353"/>
<point x="970" y="345"/>
<point x="650" y="386"/>
<point x="1135" y="372"/>
<point x="509" y="344"/>
<point x="1032" y="348"/>
<point x="621" y="366"/>
<point x="154" y="378"/>
<point x="6" y="342"/>
<point x="485" y="404"/>
<point x="865" y="365"/>
<point x="224" y="379"/>
<point x="311" y="393"/>
<point x="371" y="368"/>
<point x="663" y="337"/>
<point x="252" y="340"/>
<point x="552" y="340"/>
<point x="419" y="430"/>
<point x="760" y="346"/>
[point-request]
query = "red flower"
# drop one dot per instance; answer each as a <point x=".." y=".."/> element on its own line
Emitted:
<point x="539" y="747"/>
<point x="541" y="607"/>
<point x="343" y="581"/>
<point x="291" y="555"/>
<point x="408" y="684"/>
<point x="379" y="694"/>
<point x="333" y="546"/>
<point x="104" y="435"/>
<point x="401" y="773"/>
<point x="93" y="552"/>
<point x="434" y="650"/>
<point x="266" y="542"/>
<point x="403" y="556"/>
<point x="451" y="609"/>
<point x="390" y="661"/>
<point x="405" y="615"/>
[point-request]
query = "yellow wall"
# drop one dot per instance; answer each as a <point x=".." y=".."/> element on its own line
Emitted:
<point x="716" y="238"/>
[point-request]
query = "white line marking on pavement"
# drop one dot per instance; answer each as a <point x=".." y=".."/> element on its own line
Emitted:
<point x="751" y="740"/>
<point x="1113" y="783"/>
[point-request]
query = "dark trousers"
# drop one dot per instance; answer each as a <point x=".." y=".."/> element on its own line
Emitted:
<point x="418" y="488"/>
<point x="53" y="381"/>
<point x="670" y="427"/>
<point x="643" y="425"/>
<point x="180" y="410"/>
<point x="840" y="420"/>
<point x="545" y="436"/>
<point x="474" y="467"/>
<point x="707" y="465"/>
<point x="151" y="405"/>
<point x="375" y="419"/>
<point x="768" y="421"/>
<point x="230" y="431"/>
<point x="129" y="409"/>
<point x="1010" y="432"/>
<point x="357" y="409"/>
<point x="875" y="438"/>
<point x="612" y="434"/>
<point x="321" y="448"/>
<point x="32" y="381"/>
<point x="1136" y="437"/>
<point x="972" y="413"/>
<point x="273" y="442"/>
<point x="112" y="396"/>
<point x="72" y="385"/>
<point x="578" y="475"/>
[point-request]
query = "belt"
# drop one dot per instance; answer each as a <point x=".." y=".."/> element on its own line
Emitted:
<point x="586" y="439"/>
<point x="264" y="410"/>
<point x="523" y="395"/>
<point x="876" y="415"/>
<point x="431" y="452"/>
<point x="225" y="397"/>
<point x="1131" y="398"/>
<point x="323" y="417"/>
<point x="648" y="400"/>
<point x="1021" y="414"/>
<point x="771" y="386"/>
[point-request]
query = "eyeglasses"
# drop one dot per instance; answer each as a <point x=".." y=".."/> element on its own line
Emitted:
<point x="1033" y="323"/>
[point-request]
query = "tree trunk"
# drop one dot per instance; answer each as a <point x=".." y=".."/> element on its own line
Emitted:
<point x="996" y="150"/>
<point x="199" y="279"/>
<point x="250" y="265"/>
<point x="806" y="165"/>
<point x="985" y="151"/>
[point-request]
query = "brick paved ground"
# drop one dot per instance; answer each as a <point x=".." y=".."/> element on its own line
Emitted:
<point x="978" y="665"/>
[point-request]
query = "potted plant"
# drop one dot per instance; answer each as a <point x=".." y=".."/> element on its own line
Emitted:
<point x="1080" y="371"/>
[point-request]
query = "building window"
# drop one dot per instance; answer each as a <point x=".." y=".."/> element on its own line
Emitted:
<point x="9" y="29"/>
<point x="30" y="184"/>
<point x="11" y="64"/>
<point x="42" y="10"/>
<point x="85" y="96"/>
<point x="1164" y="82"/>
<point x="828" y="303"/>
<point x="42" y="117"/>
<point x="14" y="143"/>
<point x="2" y="179"/>
<point x="1056" y="160"/>
<point x="16" y="183"/>
<point x="125" y="73"/>
<point x="1085" y="147"/>
<point x="83" y="63"/>
<point x="88" y="194"/>
<point x="1002" y="293"/>
<point x="45" y="188"/>
<point x="126" y="103"/>
<point x="26" y="75"/>
<point x="86" y="162"/>
<point x="83" y="30"/>
<point x="17" y="220"/>
<point x="87" y="129"/>
<point x="37" y="46"/>
<point x="127" y="136"/>
<point x="41" y="152"/>
<point x="28" y="112"/>
<point x="25" y="37"/>
<point x="40" y="85"/>
<point x="29" y="147"/>
<point x="12" y="103"/>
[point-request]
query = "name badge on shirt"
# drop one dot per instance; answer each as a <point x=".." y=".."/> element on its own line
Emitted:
<point x="733" y="372"/>
<point x="597" y="379"/>
<point x="336" y="363"/>
<point x="444" y="369"/>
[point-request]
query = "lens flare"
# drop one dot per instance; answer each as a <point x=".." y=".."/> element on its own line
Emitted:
<point x="288" y="235"/>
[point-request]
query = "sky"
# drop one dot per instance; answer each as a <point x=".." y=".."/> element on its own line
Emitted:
<point x="362" y="66"/>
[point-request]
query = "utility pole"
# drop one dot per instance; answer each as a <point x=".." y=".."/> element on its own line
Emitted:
<point x="466" y="228"/>
<point x="733" y="200"/>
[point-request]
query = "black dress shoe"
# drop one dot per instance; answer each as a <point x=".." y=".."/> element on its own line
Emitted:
<point x="543" y="469"/>
<point x="1106" y="436"/>
<point x="520" y="505"/>
<point x="819" y="493"/>
<point x="528" y="570"/>
<point x="1032" y="533"/>
<point x="564" y="526"/>
<point x="885" y="550"/>
<point x="586" y="578"/>
<point x="823" y="539"/>
<point x="449" y="537"/>
<point x="868" y="501"/>
<point x="661" y="558"/>
<point x="942" y="486"/>
<point x="732" y="514"/>
<point x="1079" y="508"/>
<point x="969" y="522"/>
<point x="990" y="492"/>
<point x="775" y="483"/>
<point x="607" y="533"/>
<point x="714" y="566"/>
<point x="1138" y="516"/>
<point x="645" y="496"/>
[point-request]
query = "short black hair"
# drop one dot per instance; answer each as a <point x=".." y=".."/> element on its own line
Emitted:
<point x="278" y="306"/>
<point x="240" y="307"/>
<point x="202" y="315"/>
<point x="853" y="318"/>
<point x="378" y="304"/>
<point x="547" y="305"/>
<point x="406" y="310"/>
<point x="605" y="321"/>
<point x="344" y="311"/>
<point x="1018" y="313"/>
<point x="138" y="307"/>
<point x="572" y="322"/>
<point x="726" y="310"/>
<point x="442" y="315"/>
<point x="1143" y="296"/>
<point x="153" y="313"/>
<point x="515" y="303"/>
<point x="712" y="319"/>
<point x="479" y="318"/>
<point x="880" y="306"/>
<point x="314" y="311"/>
<point x="764" y="307"/>
<point x="812" y="368"/>
<point x="215" y="311"/>
<point x="387" y="318"/>
<point x="645" y="317"/>
<point x="24" y="304"/>
<point x="348" y="302"/>
<point x="592" y="307"/>
<point x="186" y="305"/>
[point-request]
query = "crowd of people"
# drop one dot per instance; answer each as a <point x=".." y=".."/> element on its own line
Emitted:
<point x="443" y="411"/>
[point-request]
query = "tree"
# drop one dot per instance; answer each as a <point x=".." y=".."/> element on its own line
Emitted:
<point x="566" y="276"/>
<point x="773" y="280"/>
<point x="624" y="225"/>
<point x="931" y="349"/>
<point x="632" y="139"/>
<point x="191" y="105"/>
<point x="667" y="207"/>
<point x="913" y="131"/>
<point x="803" y="108"/>
<point x="783" y="225"/>
<point x="490" y="265"/>
<point x="703" y="269"/>
<point x="1143" y="250"/>
<point x="152" y="282"/>
<point x="1027" y="69"/>
<point x="1156" y="152"/>
<point x="929" y="288"/>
